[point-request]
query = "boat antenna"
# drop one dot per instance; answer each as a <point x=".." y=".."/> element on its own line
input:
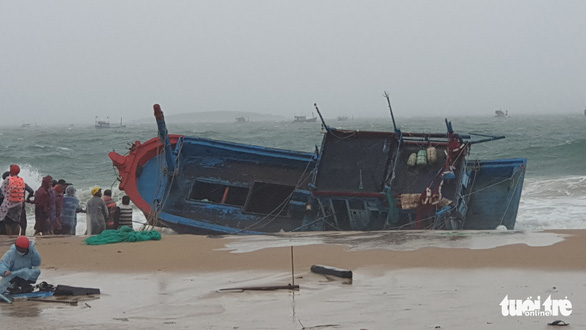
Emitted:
<point x="386" y="95"/>
<point x="323" y="122"/>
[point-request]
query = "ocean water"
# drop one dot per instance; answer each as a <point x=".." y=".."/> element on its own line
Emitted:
<point x="554" y="193"/>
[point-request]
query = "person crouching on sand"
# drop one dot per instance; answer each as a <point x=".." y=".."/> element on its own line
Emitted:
<point x="19" y="266"/>
<point x="97" y="213"/>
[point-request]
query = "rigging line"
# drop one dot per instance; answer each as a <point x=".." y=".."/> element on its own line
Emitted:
<point x="313" y="222"/>
<point x="511" y="198"/>
<point x="301" y="179"/>
<point x="332" y="225"/>
<point x="410" y="223"/>
<point x="476" y="169"/>
<point x="152" y="218"/>
<point x="112" y="185"/>
<point x="444" y="169"/>
<point x="277" y="211"/>
<point x="279" y="207"/>
<point x="155" y="209"/>
<point x="297" y="185"/>
<point x="342" y="137"/>
<point x="497" y="183"/>
<point x="326" y="222"/>
<point x="115" y="172"/>
<point x="414" y="221"/>
<point x="166" y="193"/>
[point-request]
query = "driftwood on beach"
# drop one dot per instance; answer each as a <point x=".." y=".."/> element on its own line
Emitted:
<point x="261" y="288"/>
<point x="327" y="270"/>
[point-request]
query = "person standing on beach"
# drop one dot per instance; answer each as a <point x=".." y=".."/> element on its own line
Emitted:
<point x="125" y="213"/>
<point x="112" y="210"/>
<point x="13" y="189"/>
<point x="19" y="266"/>
<point x="43" y="207"/>
<point x="2" y="227"/>
<point x="97" y="213"/>
<point x="58" y="191"/>
<point x="23" y="220"/>
<point x="63" y="183"/>
<point x="70" y="210"/>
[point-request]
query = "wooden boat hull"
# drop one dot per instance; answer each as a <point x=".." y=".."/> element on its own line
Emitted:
<point x="219" y="188"/>
<point x="358" y="180"/>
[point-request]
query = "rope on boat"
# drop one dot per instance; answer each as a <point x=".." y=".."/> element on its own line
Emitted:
<point x="514" y="192"/>
<point x="410" y="223"/>
<point x="153" y="216"/>
<point x="279" y="207"/>
<point x="316" y="221"/>
<point x="497" y="183"/>
<point x="343" y="137"/>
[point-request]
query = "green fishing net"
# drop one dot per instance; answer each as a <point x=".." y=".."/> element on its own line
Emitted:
<point x="124" y="234"/>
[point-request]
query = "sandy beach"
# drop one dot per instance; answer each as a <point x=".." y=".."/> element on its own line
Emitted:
<point x="402" y="280"/>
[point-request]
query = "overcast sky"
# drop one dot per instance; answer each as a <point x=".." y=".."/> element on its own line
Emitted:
<point x="69" y="61"/>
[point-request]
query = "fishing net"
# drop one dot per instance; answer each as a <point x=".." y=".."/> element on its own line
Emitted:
<point x="124" y="234"/>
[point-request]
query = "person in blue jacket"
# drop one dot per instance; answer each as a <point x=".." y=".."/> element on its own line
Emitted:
<point x="19" y="266"/>
<point x="69" y="211"/>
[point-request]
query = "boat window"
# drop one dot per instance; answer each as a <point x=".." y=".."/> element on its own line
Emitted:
<point x="218" y="193"/>
<point x="236" y="196"/>
<point x="269" y="198"/>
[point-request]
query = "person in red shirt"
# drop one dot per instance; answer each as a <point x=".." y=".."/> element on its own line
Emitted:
<point x="111" y="222"/>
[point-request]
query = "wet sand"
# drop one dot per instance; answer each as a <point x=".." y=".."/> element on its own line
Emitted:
<point x="402" y="280"/>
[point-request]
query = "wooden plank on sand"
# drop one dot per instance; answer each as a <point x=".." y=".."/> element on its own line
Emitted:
<point x="327" y="270"/>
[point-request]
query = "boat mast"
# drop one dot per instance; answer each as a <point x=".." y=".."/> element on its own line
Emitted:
<point x="321" y="118"/>
<point x="164" y="136"/>
<point x="386" y="95"/>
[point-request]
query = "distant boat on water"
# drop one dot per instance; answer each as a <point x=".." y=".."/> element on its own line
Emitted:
<point x="342" y="118"/>
<point x="242" y="120"/>
<point x="29" y="125"/>
<point x="501" y="114"/>
<point x="304" y="119"/>
<point x="106" y="123"/>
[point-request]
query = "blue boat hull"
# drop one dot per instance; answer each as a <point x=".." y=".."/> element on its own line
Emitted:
<point x="357" y="180"/>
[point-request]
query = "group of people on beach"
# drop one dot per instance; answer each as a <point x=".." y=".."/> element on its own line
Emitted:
<point x="56" y="207"/>
<point x="103" y="213"/>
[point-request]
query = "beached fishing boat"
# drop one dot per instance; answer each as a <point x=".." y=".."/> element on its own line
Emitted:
<point x="357" y="180"/>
